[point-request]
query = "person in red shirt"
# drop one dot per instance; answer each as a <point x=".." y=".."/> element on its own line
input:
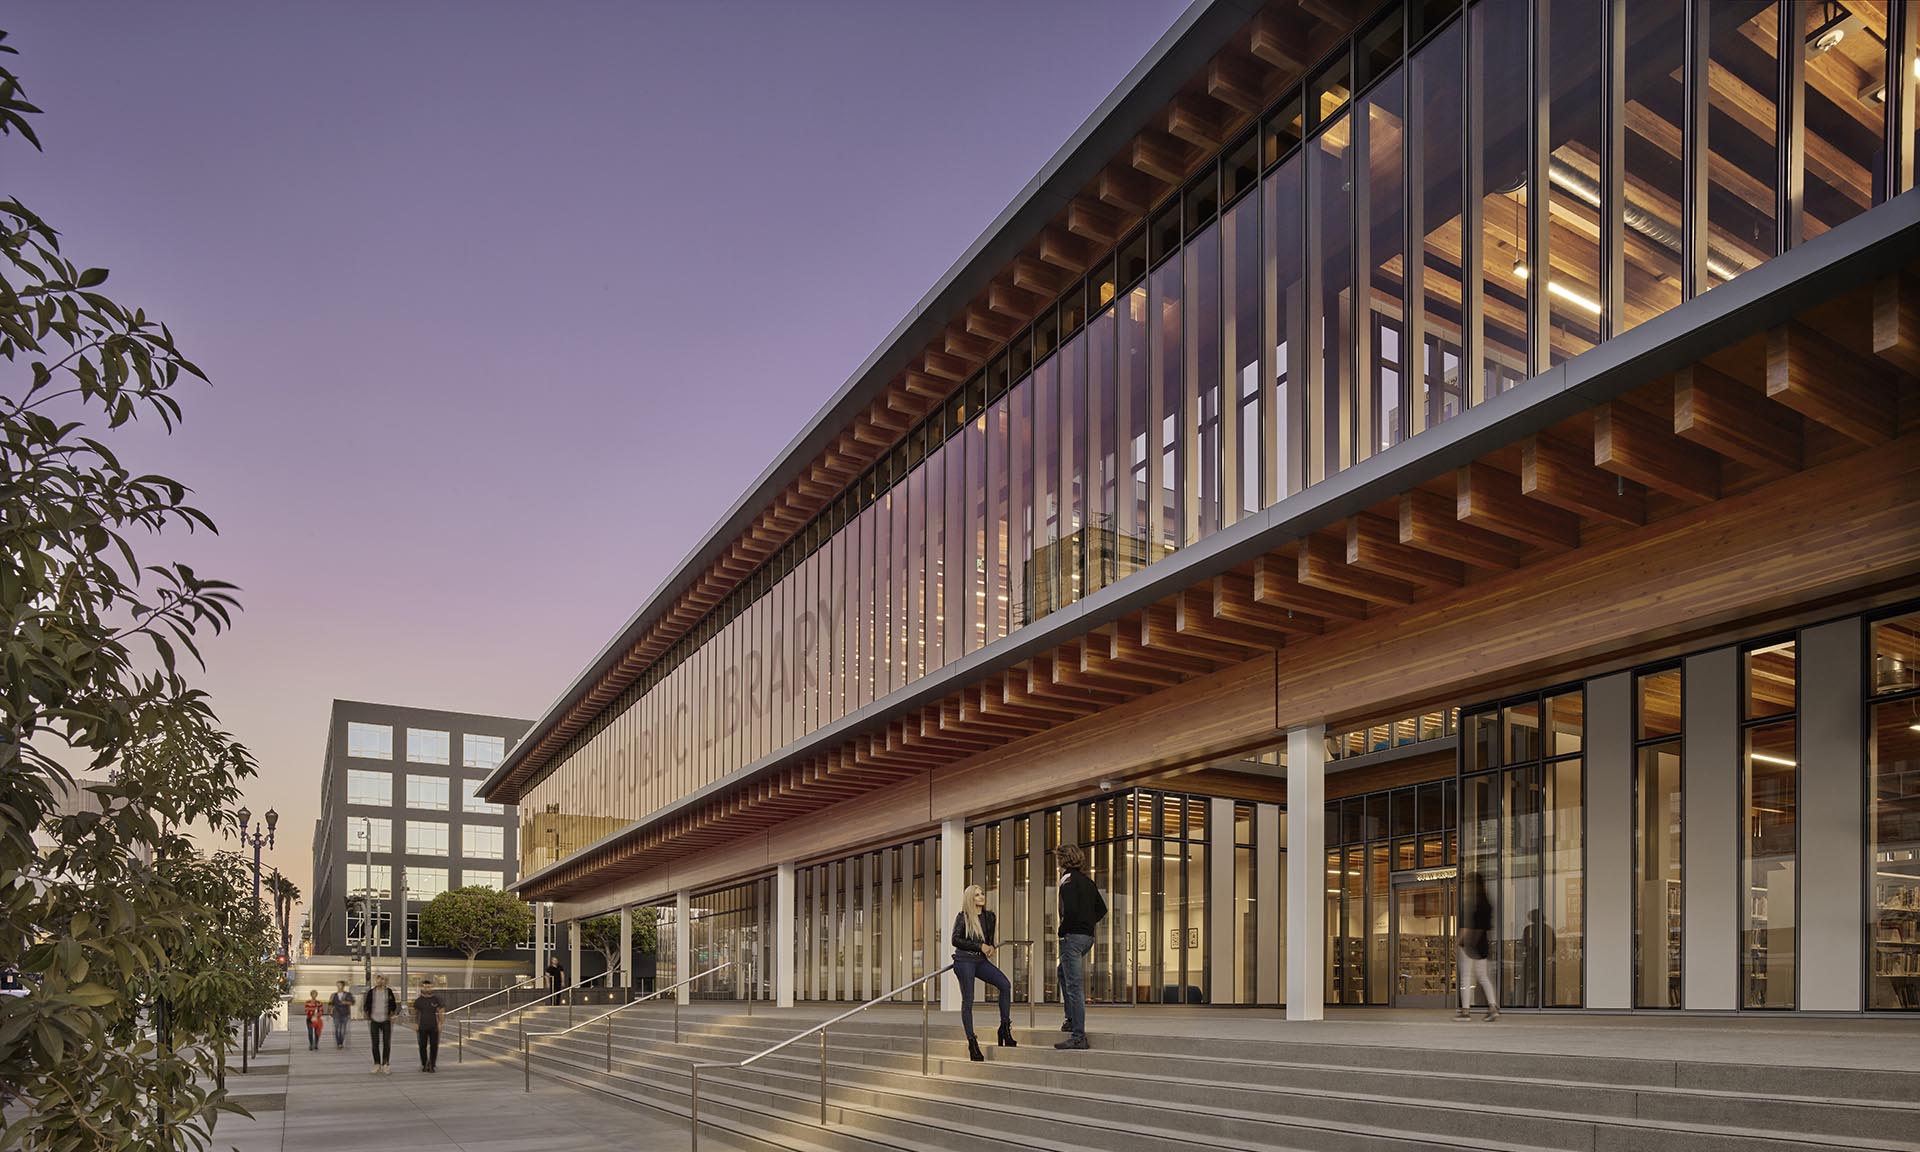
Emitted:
<point x="316" y="1019"/>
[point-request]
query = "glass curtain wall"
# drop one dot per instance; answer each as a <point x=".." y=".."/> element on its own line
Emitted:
<point x="1218" y="359"/>
<point x="1770" y="850"/>
<point x="1368" y="839"/>
<point x="867" y="923"/>
<point x="733" y="926"/>
<point x="1893" y="817"/>
<point x="1658" y="792"/>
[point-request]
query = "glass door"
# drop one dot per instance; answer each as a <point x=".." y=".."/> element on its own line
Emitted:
<point x="1423" y="938"/>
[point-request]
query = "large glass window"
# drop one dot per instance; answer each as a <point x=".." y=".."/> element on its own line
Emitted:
<point x="483" y="878"/>
<point x="369" y="741"/>
<point x="427" y="792"/>
<point x="1164" y="503"/>
<point x="471" y="802"/>
<point x="1381" y="191"/>
<point x="1770" y="850"/>
<point x="369" y="787"/>
<point x="1743" y="138"/>
<point x="1572" y="182"/>
<point x="958" y="561"/>
<point x="1284" y="273"/>
<point x="1844" y="106"/>
<point x="1043" y="572"/>
<point x="1102" y="461"/>
<point x="1655" y="106"/>
<point x="483" y="841"/>
<point x="426" y="746"/>
<point x="1136" y="518"/>
<point x="380" y="880"/>
<point x="1073" y="467"/>
<point x="997" y="542"/>
<point x="426" y="838"/>
<point x="478" y="751"/>
<point x="1437" y="106"/>
<point x="1893" y="818"/>
<point x="1201" y="442"/>
<point x="1497" y="35"/>
<point x="1330" y="324"/>
<point x="1658" y="896"/>
<point x="425" y="883"/>
<point x="1240" y="311"/>
<point x="359" y="828"/>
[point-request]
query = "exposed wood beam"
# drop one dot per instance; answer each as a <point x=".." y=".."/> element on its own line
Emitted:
<point x="1373" y="545"/>
<point x="1131" y="192"/>
<point x="1431" y="523"/>
<point x="1017" y="303"/>
<point x="1629" y="442"/>
<point x="1489" y="499"/>
<point x="1824" y="381"/>
<point x="1198" y="121"/>
<point x="1896" y="321"/>
<point x="1099" y="656"/>
<point x="1322" y="564"/>
<point x="1193" y="615"/>
<point x="1065" y="250"/>
<point x="989" y="325"/>
<point x="966" y="345"/>
<point x="921" y="384"/>
<point x="1721" y="414"/>
<point x="1160" y="156"/>
<point x="1277" y="44"/>
<point x="1130" y="645"/>
<point x="1276" y="581"/>
<point x="946" y="365"/>
<point x="1235" y="82"/>
<point x="1035" y="276"/>
<point x="1233" y="599"/>
<point x="1096" y="222"/>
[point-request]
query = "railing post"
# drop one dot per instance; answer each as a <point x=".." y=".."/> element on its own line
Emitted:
<point x="609" y="1043"/>
<point x="526" y="1062"/>
<point x="693" y="1120"/>
<point x="460" y="1042"/>
<point x="823" y="1076"/>
<point x="923" y="1033"/>
<point x="676" y="1019"/>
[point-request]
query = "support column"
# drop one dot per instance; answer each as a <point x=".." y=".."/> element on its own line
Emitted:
<point x="1222" y="910"/>
<point x="1831" y="801"/>
<point x="1608" y="934"/>
<point x="626" y="946"/>
<point x="573" y="945"/>
<point x="683" y="941"/>
<point x="539" y="941"/>
<point x="784" y="899"/>
<point x="953" y="881"/>
<point x="1306" y="879"/>
<point x="1710" y="831"/>
<point x="1269" y="910"/>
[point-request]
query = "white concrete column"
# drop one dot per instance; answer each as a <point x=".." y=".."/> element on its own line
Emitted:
<point x="953" y="881"/>
<point x="1710" y="825"/>
<point x="783" y="935"/>
<point x="1609" y="879"/>
<point x="1222" y="910"/>
<point x="1306" y="876"/>
<point x="1831" y="800"/>
<point x="683" y="941"/>
<point x="573" y="945"/>
<point x="626" y="946"/>
<point x="1268" y="907"/>
<point x="539" y="940"/>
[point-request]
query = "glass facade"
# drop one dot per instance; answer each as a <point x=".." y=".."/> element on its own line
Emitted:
<point x="1377" y="843"/>
<point x="1893" y="817"/>
<point x="1659" y="907"/>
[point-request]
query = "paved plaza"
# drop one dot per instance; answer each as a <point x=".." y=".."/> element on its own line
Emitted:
<point x="330" y="1101"/>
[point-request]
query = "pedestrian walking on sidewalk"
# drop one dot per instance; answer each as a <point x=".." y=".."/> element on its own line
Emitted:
<point x="426" y="1023"/>
<point x="1081" y="909"/>
<point x="316" y="1019"/>
<point x="342" y="1004"/>
<point x="380" y="1008"/>
<point x="1476" y="945"/>
<point x="973" y="951"/>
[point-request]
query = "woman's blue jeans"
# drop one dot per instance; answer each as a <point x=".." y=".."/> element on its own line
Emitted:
<point x="969" y="966"/>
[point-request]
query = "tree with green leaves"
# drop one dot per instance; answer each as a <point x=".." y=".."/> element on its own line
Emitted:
<point x="602" y="934"/>
<point x="474" y="920"/>
<point x="107" y="912"/>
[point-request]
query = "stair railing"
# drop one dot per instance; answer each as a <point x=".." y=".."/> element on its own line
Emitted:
<point x="460" y="1057"/>
<point x="821" y="1030"/>
<point x="460" y="1025"/>
<point x="1028" y="945"/>
<point x="527" y="1038"/>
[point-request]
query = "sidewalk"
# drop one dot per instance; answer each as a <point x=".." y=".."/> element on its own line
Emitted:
<point x="334" y="1103"/>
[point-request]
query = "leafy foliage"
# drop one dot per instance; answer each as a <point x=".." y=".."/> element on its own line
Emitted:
<point x="602" y="934"/>
<point x="474" y="920"/>
<point x="109" y="914"/>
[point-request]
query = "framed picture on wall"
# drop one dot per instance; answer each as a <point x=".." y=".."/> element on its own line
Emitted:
<point x="1173" y="938"/>
<point x="1193" y="937"/>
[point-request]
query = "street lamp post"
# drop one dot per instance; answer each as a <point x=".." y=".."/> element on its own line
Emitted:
<point x="366" y="902"/>
<point x="259" y="840"/>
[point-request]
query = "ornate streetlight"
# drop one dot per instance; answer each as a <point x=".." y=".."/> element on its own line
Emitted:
<point x="259" y="840"/>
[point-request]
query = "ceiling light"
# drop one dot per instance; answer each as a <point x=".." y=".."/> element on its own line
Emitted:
<point x="1763" y="758"/>
<point x="1585" y="303"/>
<point x="1520" y="269"/>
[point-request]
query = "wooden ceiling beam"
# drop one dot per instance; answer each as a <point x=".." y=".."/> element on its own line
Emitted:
<point x="990" y="326"/>
<point x="1160" y="628"/>
<point x="1276" y="581"/>
<point x="1017" y="303"/>
<point x="1034" y="275"/>
<point x="1130" y="191"/>
<point x="1431" y="524"/>
<point x="946" y="365"/>
<point x="1235" y="82"/>
<point x="1099" y="657"/>
<point x="1234" y="599"/>
<point x="1277" y="44"/>
<point x="1322" y="564"/>
<point x="1193" y="615"/>
<point x="1556" y="473"/>
<point x="1373" y="545"/>
<point x="1896" y="321"/>
<point x="1720" y="414"/>
<point x="1063" y="249"/>
<point x="1094" y="221"/>
<point x="966" y="345"/>
<point x="1197" y="120"/>
<point x="1020" y="695"/>
<point x="1628" y="442"/>
<point x="1161" y="156"/>
<point x="921" y="384"/>
<point x="1042" y="681"/>
<point x="1824" y="381"/>
<point x="1130" y="647"/>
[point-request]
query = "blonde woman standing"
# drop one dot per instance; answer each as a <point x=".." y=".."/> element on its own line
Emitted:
<point x="973" y="950"/>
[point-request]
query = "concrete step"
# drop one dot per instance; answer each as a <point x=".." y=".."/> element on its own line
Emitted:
<point x="872" y="1089"/>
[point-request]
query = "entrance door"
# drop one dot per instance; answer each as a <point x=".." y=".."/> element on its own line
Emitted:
<point x="1423" y="938"/>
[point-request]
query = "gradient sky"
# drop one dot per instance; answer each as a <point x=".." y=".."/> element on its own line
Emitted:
<point x="505" y="304"/>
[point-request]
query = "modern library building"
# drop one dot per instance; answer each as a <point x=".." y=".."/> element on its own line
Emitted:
<point x="1390" y="449"/>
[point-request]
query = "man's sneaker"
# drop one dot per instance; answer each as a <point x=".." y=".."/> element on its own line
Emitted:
<point x="1073" y="1044"/>
<point x="1463" y="1014"/>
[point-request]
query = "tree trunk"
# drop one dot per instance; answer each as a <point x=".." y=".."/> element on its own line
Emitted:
<point x="470" y="957"/>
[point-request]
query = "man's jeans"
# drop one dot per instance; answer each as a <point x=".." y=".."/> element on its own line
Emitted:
<point x="340" y="1031"/>
<point x="1072" y="971"/>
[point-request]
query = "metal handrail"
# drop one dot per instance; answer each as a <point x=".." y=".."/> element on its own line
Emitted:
<point x="526" y="1044"/>
<point x="694" y="1121"/>
<point x="451" y="1013"/>
<point x="460" y="1056"/>
<point x="1028" y="945"/>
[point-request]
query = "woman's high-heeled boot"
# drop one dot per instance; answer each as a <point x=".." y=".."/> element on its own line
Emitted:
<point x="1006" y="1037"/>
<point x="973" y="1049"/>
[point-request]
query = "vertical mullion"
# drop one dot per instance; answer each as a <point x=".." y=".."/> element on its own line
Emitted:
<point x="1472" y="343"/>
<point x="1413" y="261"/>
<point x="1538" y="337"/>
<point x="1900" y="97"/>
<point x="1790" y="198"/>
<point x="1359" y="391"/>
<point x="1693" y="144"/>
<point x="1613" y="177"/>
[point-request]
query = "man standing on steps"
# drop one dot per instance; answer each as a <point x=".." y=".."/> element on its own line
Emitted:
<point x="426" y="1021"/>
<point x="1081" y="908"/>
<point x="381" y="1007"/>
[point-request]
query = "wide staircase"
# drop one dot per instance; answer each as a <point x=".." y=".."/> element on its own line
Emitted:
<point x="1141" y="1092"/>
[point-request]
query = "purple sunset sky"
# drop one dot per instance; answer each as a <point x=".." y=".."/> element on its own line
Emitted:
<point x="505" y="304"/>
